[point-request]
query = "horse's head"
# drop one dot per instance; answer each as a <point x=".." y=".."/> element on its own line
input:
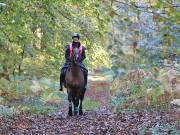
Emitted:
<point x="75" y="53"/>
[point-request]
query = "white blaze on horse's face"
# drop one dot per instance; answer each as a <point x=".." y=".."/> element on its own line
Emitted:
<point x="76" y="55"/>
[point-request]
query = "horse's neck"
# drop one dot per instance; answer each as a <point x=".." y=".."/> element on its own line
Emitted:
<point x="75" y="68"/>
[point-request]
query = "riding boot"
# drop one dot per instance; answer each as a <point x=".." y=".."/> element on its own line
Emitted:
<point x="61" y="80"/>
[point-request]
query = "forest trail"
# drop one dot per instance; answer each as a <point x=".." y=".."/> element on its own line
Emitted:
<point x="99" y="88"/>
<point x="102" y="121"/>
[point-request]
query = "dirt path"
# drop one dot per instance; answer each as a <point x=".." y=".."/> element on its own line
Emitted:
<point x="98" y="89"/>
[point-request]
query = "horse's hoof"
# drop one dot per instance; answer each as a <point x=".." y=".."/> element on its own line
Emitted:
<point x="70" y="113"/>
<point x="75" y="113"/>
<point x="80" y="112"/>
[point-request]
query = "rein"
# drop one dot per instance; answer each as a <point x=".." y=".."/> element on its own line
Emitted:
<point x="71" y="49"/>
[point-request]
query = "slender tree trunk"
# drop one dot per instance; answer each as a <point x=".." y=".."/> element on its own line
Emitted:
<point x="22" y="57"/>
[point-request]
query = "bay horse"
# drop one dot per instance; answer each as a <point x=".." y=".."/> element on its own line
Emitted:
<point x="74" y="83"/>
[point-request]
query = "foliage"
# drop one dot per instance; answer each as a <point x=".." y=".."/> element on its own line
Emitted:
<point x="35" y="105"/>
<point x="90" y="105"/>
<point x="140" y="91"/>
<point x="34" y="33"/>
<point x="118" y="34"/>
<point x="40" y="96"/>
<point x="130" y="43"/>
<point x="117" y="101"/>
<point x="7" y="111"/>
<point x="144" y="34"/>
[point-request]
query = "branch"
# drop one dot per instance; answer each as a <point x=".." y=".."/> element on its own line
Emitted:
<point x="140" y="8"/>
<point x="134" y="5"/>
<point x="171" y="4"/>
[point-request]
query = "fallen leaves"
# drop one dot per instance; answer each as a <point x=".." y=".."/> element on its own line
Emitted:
<point x="102" y="121"/>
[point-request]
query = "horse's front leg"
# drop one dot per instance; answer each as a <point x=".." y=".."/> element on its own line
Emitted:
<point x="76" y="104"/>
<point x="70" y="104"/>
<point x="81" y="100"/>
<point x="80" y="108"/>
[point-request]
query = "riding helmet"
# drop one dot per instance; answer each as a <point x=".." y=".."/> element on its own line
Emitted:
<point x="76" y="35"/>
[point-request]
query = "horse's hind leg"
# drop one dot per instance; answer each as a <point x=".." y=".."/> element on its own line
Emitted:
<point x="80" y="108"/>
<point x="70" y="104"/>
<point x="81" y="100"/>
<point x="76" y="104"/>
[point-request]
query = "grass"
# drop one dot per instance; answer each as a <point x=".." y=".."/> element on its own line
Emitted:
<point x="90" y="104"/>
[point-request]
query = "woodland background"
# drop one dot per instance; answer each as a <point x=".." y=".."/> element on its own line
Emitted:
<point x="133" y="53"/>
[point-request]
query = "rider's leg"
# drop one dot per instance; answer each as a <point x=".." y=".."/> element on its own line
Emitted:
<point x="63" y="73"/>
<point x="62" y="77"/>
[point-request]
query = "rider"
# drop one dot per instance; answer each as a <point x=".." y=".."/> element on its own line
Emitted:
<point x="75" y="43"/>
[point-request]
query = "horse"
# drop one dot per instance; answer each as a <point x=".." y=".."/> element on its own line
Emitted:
<point x="74" y="83"/>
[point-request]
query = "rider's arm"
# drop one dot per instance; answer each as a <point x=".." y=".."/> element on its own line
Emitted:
<point x="83" y="54"/>
<point x="67" y="53"/>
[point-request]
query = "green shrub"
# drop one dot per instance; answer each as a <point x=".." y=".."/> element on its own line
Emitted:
<point x="90" y="104"/>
